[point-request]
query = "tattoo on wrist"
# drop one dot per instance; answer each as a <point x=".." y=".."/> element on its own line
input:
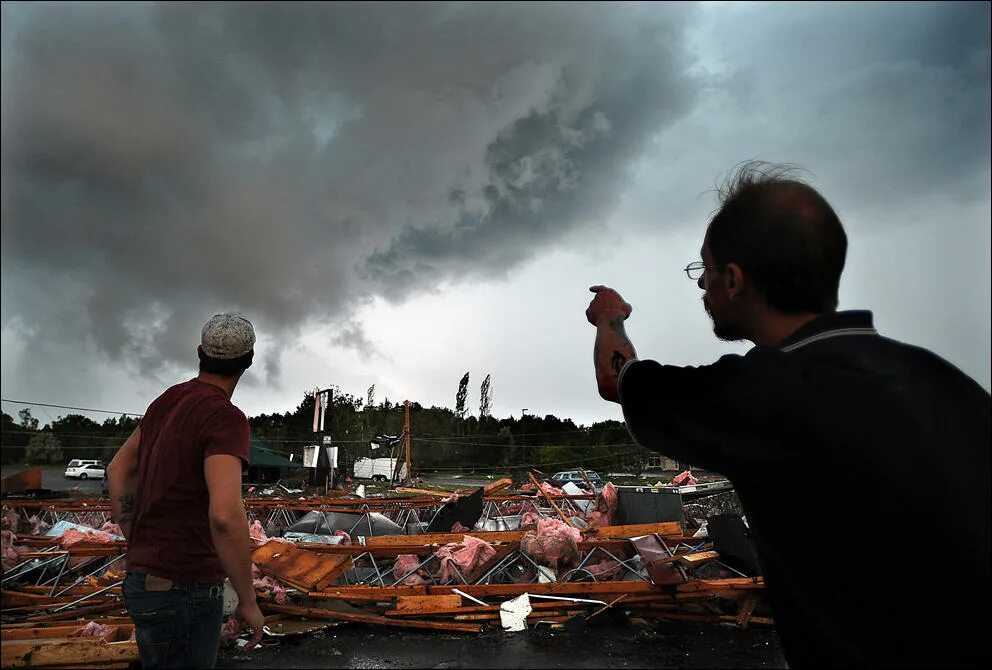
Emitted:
<point x="127" y="504"/>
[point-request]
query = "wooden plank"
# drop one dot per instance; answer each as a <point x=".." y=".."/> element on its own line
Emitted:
<point x="665" y="529"/>
<point x="77" y="612"/>
<point x="315" y="613"/>
<point x="548" y="498"/>
<point x="303" y="569"/>
<point x="543" y="615"/>
<point x="734" y="583"/>
<point x="59" y="631"/>
<point x="74" y="654"/>
<point x="424" y="492"/>
<point x="497" y="485"/>
<point x="428" y="604"/>
<point x="697" y="558"/>
<point x="747" y="609"/>
<point x="483" y="590"/>
<point x="472" y="609"/>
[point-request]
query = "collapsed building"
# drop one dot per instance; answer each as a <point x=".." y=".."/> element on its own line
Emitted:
<point x="464" y="561"/>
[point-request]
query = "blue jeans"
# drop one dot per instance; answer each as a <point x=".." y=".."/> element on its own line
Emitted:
<point x="178" y="627"/>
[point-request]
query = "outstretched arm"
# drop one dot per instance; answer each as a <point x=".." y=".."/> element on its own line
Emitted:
<point x="613" y="348"/>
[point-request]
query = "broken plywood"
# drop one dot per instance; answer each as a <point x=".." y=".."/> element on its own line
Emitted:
<point x="306" y="570"/>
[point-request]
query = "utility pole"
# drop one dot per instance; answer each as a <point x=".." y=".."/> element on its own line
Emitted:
<point x="321" y="423"/>
<point x="406" y="431"/>
<point x="523" y="439"/>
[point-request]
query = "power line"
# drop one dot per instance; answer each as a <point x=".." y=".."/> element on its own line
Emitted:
<point x="81" y="409"/>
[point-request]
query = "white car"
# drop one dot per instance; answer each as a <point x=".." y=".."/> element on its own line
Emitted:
<point x="86" y="471"/>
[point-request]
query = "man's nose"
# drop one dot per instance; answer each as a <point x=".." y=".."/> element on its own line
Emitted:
<point x="699" y="282"/>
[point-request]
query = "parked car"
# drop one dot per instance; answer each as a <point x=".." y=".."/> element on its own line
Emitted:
<point x="575" y="476"/>
<point x="86" y="471"/>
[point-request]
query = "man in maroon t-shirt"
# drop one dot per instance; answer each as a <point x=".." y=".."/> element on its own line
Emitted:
<point x="175" y="490"/>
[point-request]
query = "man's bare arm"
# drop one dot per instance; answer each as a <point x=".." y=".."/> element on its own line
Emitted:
<point x="613" y="348"/>
<point x="229" y="529"/>
<point x="122" y="481"/>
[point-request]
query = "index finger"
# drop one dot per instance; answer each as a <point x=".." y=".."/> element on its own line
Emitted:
<point x="597" y="288"/>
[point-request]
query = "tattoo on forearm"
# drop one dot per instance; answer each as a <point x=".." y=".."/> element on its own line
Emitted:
<point x="617" y="362"/>
<point x="127" y="504"/>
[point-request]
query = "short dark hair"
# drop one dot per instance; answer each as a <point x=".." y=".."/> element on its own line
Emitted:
<point x="225" y="367"/>
<point x="783" y="234"/>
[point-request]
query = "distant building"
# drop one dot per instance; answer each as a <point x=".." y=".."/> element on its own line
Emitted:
<point x="266" y="466"/>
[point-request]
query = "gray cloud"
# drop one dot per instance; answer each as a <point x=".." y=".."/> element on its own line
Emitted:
<point x="162" y="162"/>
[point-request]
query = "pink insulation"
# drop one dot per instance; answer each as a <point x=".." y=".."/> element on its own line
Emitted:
<point x="529" y="519"/>
<point x="229" y="632"/>
<point x="112" y="528"/>
<point x="468" y="556"/>
<point x="605" y="570"/>
<point x="93" y="629"/>
<point x="38" y="526"/>
<point x="343" y="534"/>
<point x="256" y="532"/>
<point x="554" y="544"/>
<point x="8" y="555"/>
<point x="605" y="511"/>
<point x="459" y="528"/>
<point x="406" y="563"/>
<point x="685" y="479"/>
<point x="73" y="536"/>
<point x="8" y="521"/>
<point x="270" y="588"/>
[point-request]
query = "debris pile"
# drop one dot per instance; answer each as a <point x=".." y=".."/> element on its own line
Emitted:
<point x="459" y="561"/>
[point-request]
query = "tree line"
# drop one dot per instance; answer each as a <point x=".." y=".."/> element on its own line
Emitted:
<point x="441" y="438"/>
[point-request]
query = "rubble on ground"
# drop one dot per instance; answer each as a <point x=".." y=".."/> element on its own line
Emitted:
<point x="341" y="558"/>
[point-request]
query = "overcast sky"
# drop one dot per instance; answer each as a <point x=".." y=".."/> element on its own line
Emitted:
<point x="396" y="194"/>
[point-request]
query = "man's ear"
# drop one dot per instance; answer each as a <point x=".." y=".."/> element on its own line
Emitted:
<point x="733" y="278"/>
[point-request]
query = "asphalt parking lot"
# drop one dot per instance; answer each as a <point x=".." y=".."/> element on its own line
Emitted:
<point x="611" y="645"/>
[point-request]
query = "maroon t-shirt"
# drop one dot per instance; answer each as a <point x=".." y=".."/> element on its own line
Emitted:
<point x="170" y="528"/>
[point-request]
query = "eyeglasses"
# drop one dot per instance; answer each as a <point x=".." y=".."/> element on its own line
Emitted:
<point x="696" y="269"/>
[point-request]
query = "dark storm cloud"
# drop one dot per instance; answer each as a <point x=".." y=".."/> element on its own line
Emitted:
<point x="164" y="162"/>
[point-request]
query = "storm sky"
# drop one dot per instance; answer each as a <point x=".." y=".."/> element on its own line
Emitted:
<point x="396" y="194"/>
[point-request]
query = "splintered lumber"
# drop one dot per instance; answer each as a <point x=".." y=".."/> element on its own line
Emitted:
<point x="665" y="529"/>
<point x="49" y="632"/>
<point x="484" y="590"/>
<point x="544" y="493"/>
<point x="733" y="584"/>
<point x="424" y="492"/>
<point x="697" y="558"/>
<point x="428" y="604"/>
<point x="75" y="653"/>
<point x="317" y="613"/>
<point x="303" y="569"/>
<point x="475" y="609"/>
<point x="543" y="614"/>
<point x="497" y="485"/>
<point x="77" y="612"/>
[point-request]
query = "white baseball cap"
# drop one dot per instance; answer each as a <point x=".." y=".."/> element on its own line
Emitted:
<point x="228" y="335"/>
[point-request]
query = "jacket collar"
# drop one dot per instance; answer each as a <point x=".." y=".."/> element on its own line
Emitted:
<point x="837" y="324"/>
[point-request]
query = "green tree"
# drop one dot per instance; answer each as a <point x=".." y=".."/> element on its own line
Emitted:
<point x="44" y="448"/>
<point x="485" y="399"/>
<point x="460" y="397"/>
<point x="13" y="441"/>
<point x="27" y="421"/>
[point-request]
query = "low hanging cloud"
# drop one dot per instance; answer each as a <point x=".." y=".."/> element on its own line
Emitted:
<point x="164" y="162"/>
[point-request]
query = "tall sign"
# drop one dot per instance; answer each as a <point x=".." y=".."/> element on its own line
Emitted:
<point x="323" y="473"/>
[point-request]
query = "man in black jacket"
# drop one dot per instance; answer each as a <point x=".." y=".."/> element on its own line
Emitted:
<point x="874" y="541"/>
